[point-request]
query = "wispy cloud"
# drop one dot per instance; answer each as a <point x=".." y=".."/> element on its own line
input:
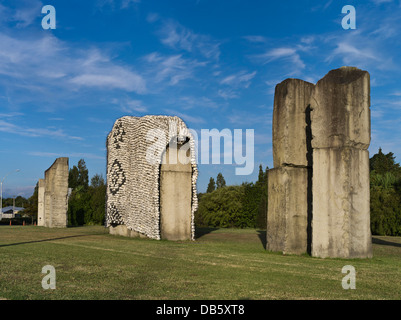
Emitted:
<point x="115" y="4"/>
<point x="132" y="106"/>
<point x="23" y="64"/>
<point x="70" y="155"/>
<point x="176" y="36"/>
<point x="285" y="53"/>
<point x="12" y="128"/>
<point x="349" y="53"/>
<point x="256" y="39"/>
<point x="170" y="68"/>
<point x="240" y="79"/>
<point x="24" y="13"/>
<point x="184" y="116"/>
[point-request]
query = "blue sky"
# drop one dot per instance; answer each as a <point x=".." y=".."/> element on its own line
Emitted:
<point x="214" y="63"/>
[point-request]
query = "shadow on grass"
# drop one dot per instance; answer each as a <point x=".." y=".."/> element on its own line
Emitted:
<point x="262" y="237"/>
<point x="385" y="243"/>
<point x="44" y="240"/>
<point x="200" y="232"/>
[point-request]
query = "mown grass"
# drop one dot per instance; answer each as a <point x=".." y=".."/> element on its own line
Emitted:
<point x="220" y="264"/>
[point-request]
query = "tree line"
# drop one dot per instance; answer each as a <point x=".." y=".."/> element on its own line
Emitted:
<point x="385" y="194"/>
<point x="238" y="206"/>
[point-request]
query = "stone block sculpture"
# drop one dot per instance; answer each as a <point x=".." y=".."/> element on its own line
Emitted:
<point x="53" y="195"/>
<point x="288" y="182"/>
<point x="341" y="136"/>
<point x="151" y="178"/>
<point x="319" y="199"/>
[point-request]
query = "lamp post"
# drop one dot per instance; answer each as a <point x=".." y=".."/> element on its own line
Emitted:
<point x="1" y="192"/>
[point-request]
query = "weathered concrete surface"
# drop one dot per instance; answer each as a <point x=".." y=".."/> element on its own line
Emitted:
<point x="41" y="203"/>
<point x="291" y="100"/>
<point x="341" y="203"/>
<point x="122" y="230"/>
<point x="287" y="217"/>
<point x="340" y="109"/>
<point x="56" y="194"/>
<point x="175" y="197"/>
<point x="325" y="131"/>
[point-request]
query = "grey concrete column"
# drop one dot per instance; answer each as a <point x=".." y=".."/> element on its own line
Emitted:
<point x="56" y="194"/>
<point x="287" y="210"/>
<point x="175" y="197"/>
<point x="41" y="202"/>
<point x="289" y="183"/>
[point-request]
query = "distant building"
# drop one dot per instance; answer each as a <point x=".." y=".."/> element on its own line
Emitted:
<point x="10" y="212"/>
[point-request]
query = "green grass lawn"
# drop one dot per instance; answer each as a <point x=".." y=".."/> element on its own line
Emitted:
<point x="220" y="264"/>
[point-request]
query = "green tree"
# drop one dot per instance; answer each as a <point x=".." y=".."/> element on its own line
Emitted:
<point x="83" y="177"/>
<point x="241" y="206"/>
<point x="220" y="181"/>
<point x="79" y="175"/>
<point x="97" y="200"/>
<point x="79" y="210"/>
<point x="73" y="176"/>
<point x="382" y="163"/>
<point x="211" y="186"/>
<point x="385" y="194"/>
<point x="31" y="205"/>
<point x="221" y="208"/>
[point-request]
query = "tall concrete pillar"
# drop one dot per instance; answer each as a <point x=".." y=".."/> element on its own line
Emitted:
<point x="319" y="198"/>
<point x="41" y="202"/>
<point x="175" y="197"/>
<point x="289" y="182"/>
<point x="341" y="136"/>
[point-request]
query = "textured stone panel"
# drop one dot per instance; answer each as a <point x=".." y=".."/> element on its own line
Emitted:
<point x="287" y="217"/>
<point x="340" y="109"/>
<point x="175" y="198"/>
<point x="290" y="122"/>
<point x="341" y="203"/>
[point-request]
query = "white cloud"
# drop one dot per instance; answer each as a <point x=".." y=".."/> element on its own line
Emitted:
<point x="24" y="14"/>
<point x="381" y="1"/>
<point x="189" y="102"/>
<point x="70" y="155"/>
<point x="240" y="79"/>
<point x="176" y="36"/>
<point x="173" y="68"/>
<point x="12" y="128"/>
<point x="131" y="106"/>
<point x="115" y="4"/>
<point x="184" y="116"/>
<point x="42" y="63"/>
<point x="117" y="79"/>
<point x="228" y="94"/>
<point x="256" y="39"/>
<point x="282" y="53"/>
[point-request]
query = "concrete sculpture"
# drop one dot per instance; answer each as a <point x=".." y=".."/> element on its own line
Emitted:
<point x="319" y="198"/>
<point x="53" y="195"/>
<point x="151" y="178"/>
